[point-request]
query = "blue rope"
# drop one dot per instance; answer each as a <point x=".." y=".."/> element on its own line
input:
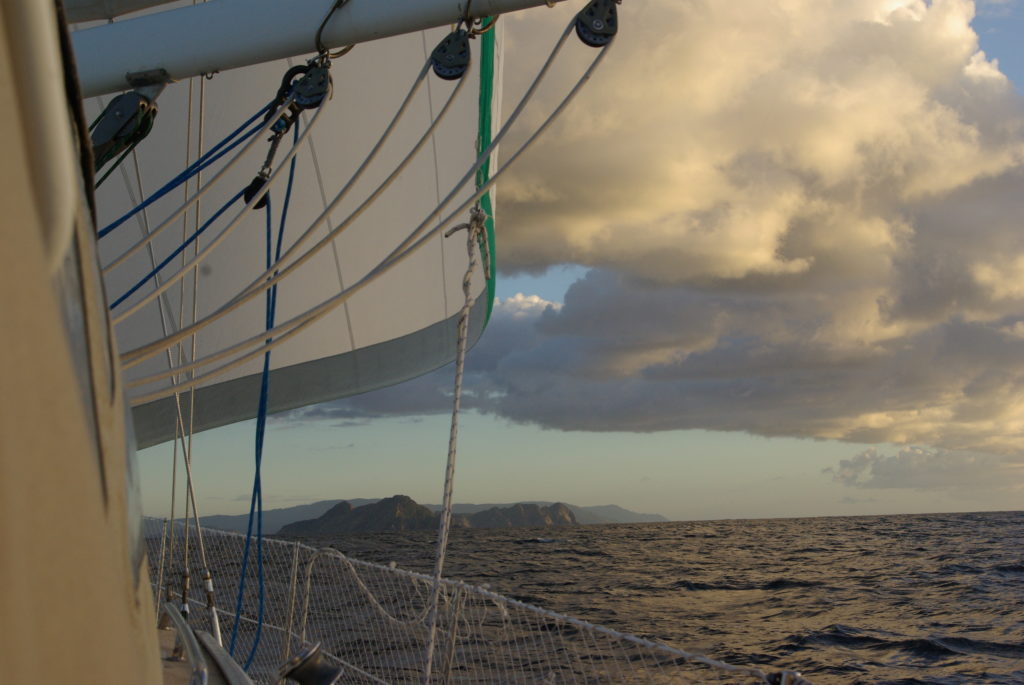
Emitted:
<point x="210" y="157"/>
<point x="191" y="239"/>
<point x="256" y="502"/>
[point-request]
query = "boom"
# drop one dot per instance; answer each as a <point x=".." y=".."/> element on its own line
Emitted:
<point x="227" y="34"/>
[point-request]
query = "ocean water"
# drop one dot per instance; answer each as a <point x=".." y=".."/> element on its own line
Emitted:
<point x="935" y="598"/>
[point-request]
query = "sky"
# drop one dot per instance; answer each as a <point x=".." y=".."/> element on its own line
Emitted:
<point x="768" y="264"/>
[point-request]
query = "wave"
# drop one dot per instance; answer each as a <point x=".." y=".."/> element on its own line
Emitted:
<point x="776" y="584"/>
<point x="921" y="648"/>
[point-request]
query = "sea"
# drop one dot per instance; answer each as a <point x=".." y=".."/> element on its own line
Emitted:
<point x="929" y="598"/>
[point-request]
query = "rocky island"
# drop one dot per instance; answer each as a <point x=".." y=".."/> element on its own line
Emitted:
<point x="401" y="513"/>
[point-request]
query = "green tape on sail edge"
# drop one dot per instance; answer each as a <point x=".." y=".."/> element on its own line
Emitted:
<point x="483" y="139"/>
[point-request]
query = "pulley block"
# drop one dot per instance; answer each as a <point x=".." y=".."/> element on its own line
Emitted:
<point x="125" y="121"/>
<point x="254" y="187"/>
<point x="597" y="23"/>
<point x="313" y="88"/>
<point x="450" y="58"/>
<point x="308" y="85"/>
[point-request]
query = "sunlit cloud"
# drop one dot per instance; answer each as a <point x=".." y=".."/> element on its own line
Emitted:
<point x="923" y="469"/>
<point x="800" y="219"/>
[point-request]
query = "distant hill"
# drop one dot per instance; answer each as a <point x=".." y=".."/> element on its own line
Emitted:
<point x="275" y="519"/>
<point x="390" y="514"/>
<point x="603" y="513"/>
<point x="401" y="513"/>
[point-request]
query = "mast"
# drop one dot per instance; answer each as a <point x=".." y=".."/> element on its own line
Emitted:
<point x="227" y="34"/>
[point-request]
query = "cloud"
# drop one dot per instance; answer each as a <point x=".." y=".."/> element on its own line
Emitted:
<point x="782" y="142"/>
<point x="858" y="500"/>
<point x="801" y="219"/>
<point x="924" y="469"/>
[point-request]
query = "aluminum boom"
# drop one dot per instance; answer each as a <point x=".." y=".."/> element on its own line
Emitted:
<point x="227" y="34"/>
<point x="88" y="10"/>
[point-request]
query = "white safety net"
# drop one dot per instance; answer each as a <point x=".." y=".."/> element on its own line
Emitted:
<point x="372" y="619"/>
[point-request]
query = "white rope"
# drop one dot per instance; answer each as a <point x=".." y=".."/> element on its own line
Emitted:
<point x="272" y="272"/>
<point x="285" y="331"/>
<point x="164" y="306"/>
<point x="180" y="429"/>
<point x="163" y="557"/>
<point x="474" y="230"/>
<point x="315" y="158"/>
<point x="181" y="273"/>
<point x="337" y="200"/>
<point x="142" y="219"/>
<point x="530" y="636"/>
<point x="202" y="190"/>
<point x="437" y="177"/>
<point x="272" y="276"/>
<point x="207" y="573"/>
<point x="331" y="553"/>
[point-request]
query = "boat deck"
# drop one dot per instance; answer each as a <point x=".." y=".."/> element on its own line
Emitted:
<point x="180" y="672"/>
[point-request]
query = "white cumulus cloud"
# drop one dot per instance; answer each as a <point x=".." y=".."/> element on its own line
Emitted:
<point x="923" y="469"/>
<point x="801" y="218"/>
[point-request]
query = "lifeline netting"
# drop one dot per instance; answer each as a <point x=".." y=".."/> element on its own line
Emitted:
<point x="372" y="619"/>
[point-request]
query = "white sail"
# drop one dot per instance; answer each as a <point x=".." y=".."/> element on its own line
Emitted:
<point x="400" y="326"/>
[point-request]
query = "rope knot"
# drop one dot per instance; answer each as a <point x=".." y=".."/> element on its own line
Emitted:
<point x="477" y="228"/>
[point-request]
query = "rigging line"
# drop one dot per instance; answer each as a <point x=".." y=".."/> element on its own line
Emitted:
<point x="117" y="164"/>
<point x="201" y="141"/>
<point x="133" y="357"/>
<point x="180" y="429"/>
<point x="191" y="170"/>
<point x="178" y="250"/>
<point x="203" y="189"/>
<point x="179" y="426"/>
<point x="437" y="174"/>
<point x="256" y="499"/>
<point x="163" y="557"/>
<point x="174" y="487"/>
<point x="397" y="255"/>
<point x="474" y="230"/>
<point x="334" y="248"/>
<point x="143" y="222"/>
<point x="200" y="256"/>
<point x="184" y="237"/>
<point x="261" y="422"/>
<point x="338" y="198"/>
<point x="253" y="287"/>
<point x="297" y="323"/>
<point x="272" y="277"/>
